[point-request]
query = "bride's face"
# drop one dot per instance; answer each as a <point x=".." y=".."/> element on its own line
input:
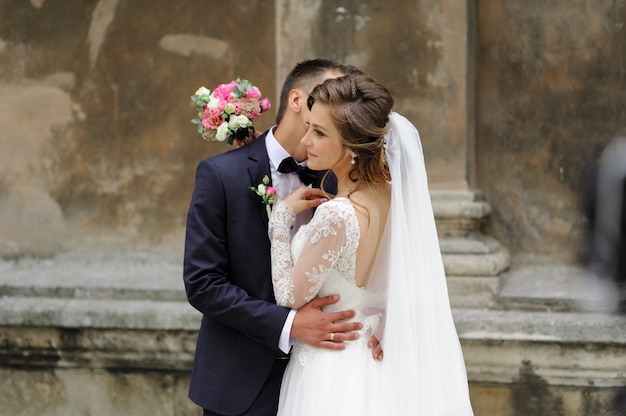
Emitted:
<point x="323" y="142"/>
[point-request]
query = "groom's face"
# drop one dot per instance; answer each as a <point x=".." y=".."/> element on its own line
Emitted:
<point x="306" y="90"/>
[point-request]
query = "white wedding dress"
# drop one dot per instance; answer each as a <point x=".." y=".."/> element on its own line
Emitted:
<point x="320" y="381"/>
<point x="405" y="303"/>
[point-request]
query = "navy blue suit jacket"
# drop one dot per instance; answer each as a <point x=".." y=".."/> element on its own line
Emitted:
<point x="227" y="275"/>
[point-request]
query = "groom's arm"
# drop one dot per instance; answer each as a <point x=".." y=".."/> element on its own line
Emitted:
<point x="211" y="291"/>
<point x="209" y="286"/>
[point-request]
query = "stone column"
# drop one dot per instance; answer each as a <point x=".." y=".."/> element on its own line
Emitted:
<point x="421" y="50"/>
<point x="472" y="260"/>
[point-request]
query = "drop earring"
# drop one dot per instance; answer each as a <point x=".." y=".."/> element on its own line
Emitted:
<point x="353" y="161"/>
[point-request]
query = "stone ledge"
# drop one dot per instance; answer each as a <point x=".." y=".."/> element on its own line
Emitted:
<point x="136" y="332"/>
<point x="564" y="327"/>
<point x="565" y="349"/>
<point x="473" y="243"/>
<point x="536" y="284"/>
<point x="97" y="348"/>
<point x="96" y="275"/>
<point x="97" y="313"/>
<point x="461" y="209"/>
<point x="458" y="212"/>
<point x="476" y="264"/>
<point x="473" y="291"/>
<point x="473" y="255"/>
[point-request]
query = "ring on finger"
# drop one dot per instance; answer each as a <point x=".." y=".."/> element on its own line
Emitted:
<point x="332" y="336"/>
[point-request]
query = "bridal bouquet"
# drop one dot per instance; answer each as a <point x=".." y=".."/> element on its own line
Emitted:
<point x="226" y="114"/>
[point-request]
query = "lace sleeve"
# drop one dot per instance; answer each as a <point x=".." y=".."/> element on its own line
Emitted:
<point x="296" y="284"/>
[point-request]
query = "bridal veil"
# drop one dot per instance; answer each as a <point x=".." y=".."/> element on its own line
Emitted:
<point x="423" y="368"/>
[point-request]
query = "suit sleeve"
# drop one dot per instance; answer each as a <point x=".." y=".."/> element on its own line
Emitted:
<point x="210" y="288"/>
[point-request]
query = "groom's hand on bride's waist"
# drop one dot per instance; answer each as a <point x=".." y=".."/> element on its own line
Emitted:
<point x="317" y="328"/>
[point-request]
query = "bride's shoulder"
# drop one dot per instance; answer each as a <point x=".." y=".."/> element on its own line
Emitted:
<point x="336" y="207"/>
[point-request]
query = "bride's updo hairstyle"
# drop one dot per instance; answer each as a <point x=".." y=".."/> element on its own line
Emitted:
<point x="360" y="108"/>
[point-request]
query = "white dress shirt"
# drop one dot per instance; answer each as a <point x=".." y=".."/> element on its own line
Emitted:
<point x="285" y="184"/>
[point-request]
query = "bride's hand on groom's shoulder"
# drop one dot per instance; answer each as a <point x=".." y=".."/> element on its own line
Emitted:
<point x="304" y="198"/>
<point x="313" y="326"/>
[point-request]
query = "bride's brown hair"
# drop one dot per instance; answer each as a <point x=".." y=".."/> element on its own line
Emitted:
<point x="360" y="108"/>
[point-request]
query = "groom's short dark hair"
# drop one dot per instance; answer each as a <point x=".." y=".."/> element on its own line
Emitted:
<point x="306" y="75"/>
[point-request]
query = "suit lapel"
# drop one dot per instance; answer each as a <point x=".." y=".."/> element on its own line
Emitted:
<point x="258" y="167"/>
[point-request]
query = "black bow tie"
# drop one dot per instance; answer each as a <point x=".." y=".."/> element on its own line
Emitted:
<point x="289" y="165"/>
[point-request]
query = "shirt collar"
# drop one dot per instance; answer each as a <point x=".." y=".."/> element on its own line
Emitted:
<point x="275" y="151"/>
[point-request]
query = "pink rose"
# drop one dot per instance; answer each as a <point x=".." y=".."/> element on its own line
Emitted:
<point x="212" y="119"/>
<point x="265" y="104"/>
<point x="223" y="91"/>
<point x="270" y="190"/>
<point x="218" y="93"/>
<point x="222" y="104"/>
<point x="253" y="93"/>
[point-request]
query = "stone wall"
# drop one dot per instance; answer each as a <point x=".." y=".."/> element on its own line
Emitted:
<point x="96" y="140"/>
<point x="550" y="96"/>
<point x="72" y="371"/>
<point x="94" y="104"/>
<point x="96" y="144"/>
<point x="97" y="161"/>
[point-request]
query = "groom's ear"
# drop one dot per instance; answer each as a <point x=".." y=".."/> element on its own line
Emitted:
<point x="296" y="100"/>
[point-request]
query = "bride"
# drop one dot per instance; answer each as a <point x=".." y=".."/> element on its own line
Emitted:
<point x="375" y="244"/>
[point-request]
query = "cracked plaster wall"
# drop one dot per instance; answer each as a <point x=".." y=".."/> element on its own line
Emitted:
<point x="96" y="143"/>
<point x="551" y="82"/>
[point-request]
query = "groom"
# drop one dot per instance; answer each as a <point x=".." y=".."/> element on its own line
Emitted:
<point x="244" y="339"/>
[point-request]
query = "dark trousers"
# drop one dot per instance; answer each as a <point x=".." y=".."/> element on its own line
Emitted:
<point x="266" y="403"/>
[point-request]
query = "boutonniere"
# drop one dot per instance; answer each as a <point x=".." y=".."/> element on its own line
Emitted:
<point x="267" y="193"/>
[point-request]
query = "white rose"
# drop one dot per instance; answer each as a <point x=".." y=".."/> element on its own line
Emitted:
<point x="222" y="132"/>
<point x="236" y="122"/>
<point x="213" y="103"/>
<point x="261" y="189"/>
<point x="202" y="91"/>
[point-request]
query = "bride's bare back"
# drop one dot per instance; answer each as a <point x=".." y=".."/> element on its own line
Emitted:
<point x="371" y="205"/>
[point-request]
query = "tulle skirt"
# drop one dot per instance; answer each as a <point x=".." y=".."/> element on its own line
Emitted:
<point x="324" y="382"/>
